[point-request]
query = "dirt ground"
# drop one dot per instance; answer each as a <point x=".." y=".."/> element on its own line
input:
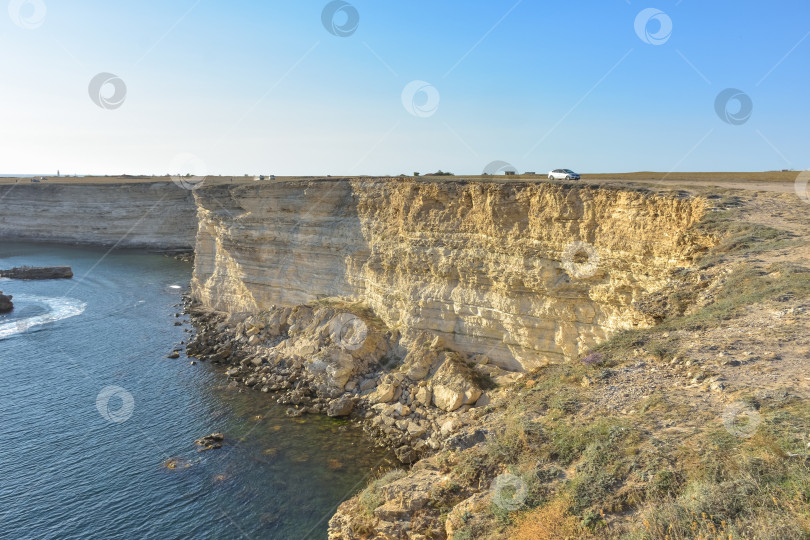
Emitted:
<point x="765" y="352"/>
<point x="778" y="181"/>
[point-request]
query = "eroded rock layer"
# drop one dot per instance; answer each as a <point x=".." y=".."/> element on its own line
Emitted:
<point x="146" y="215"/>
<point x="523" y="273"/>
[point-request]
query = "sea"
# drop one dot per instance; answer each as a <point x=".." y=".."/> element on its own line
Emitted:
<point x="98" y="425"/>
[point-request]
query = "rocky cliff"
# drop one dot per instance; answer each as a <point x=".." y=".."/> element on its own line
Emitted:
<point x="148" y="215"/>
<point x="525" y="274"/>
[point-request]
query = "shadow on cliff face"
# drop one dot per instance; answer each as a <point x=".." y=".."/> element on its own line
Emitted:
<point x="290" y="242"/>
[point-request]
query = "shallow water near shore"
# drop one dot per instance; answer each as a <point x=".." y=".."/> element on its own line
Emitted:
<point x="76" y="464"/>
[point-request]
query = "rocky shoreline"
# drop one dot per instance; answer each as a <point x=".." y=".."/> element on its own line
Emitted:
<point x="5" y="303"/>
<point x="339" y="361"/>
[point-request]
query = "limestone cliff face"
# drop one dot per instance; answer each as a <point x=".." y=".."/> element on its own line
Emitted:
<point x="147" y="215"/>
<point x="523" y="273"/>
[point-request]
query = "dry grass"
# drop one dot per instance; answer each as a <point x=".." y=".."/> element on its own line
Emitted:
<point x="550" y="522"/>
<point x="768" y="176"/>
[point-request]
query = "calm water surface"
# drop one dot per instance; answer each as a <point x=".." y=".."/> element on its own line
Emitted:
<point x="77" y="461"/>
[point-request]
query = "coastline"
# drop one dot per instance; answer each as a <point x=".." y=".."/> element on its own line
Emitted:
<point x="458" y="419"/>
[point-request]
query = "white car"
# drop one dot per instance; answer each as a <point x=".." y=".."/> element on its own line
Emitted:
<point x="563" y="174"/>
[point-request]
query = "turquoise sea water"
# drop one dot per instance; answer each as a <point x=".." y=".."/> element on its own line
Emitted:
<point x="92" y="412"/>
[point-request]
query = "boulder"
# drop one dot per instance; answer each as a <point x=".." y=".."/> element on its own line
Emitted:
<point x="340" y="368"/>
<point x="406" y="454"/>
<point x="342" y="406"/>
<point x="5" y="303"/>
<point x="418" y="363"/>
<point x="367" y="384"/>
<point x="454" y="385"/>
<point x="415" y="429"/>
<point x="424" y="396"/>
<point x="383" y="394"/>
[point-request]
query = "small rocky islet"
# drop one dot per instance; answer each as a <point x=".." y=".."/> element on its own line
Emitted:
<point x="31" y="273"/>
<point x="38" y="272"/>
<point x="5" y="303"/>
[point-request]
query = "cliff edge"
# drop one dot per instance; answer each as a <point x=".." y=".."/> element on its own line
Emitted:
<point x="524" y="273"/>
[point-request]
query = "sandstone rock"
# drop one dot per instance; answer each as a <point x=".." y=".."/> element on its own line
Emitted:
<point x="340" y="407"/>
<point x="466" y="439"/>
<point x="466" y="511"/>
<point x="401" y="410"/>
<point x="506" y="378"/>
<point x="424" y="396"/>
<point x="481" y="359"/>
<point x="449" y="426"/>
<point x="406" y="454"/>
<point x="419" y="368"/>
<point x="340" y="369"/>
<point x="384" y="393"/>
<point x="415" y="429"/>
<point x="453" y="384"/>
<point x="483" y="401"/>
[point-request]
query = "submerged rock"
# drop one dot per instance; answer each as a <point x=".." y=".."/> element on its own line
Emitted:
<point x="210" y="442"/>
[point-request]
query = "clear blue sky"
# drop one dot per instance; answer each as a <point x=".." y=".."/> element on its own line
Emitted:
<point x="263" y="87"/>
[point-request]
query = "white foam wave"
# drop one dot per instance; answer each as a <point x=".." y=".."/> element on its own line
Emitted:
<point x="58" y="309"/>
